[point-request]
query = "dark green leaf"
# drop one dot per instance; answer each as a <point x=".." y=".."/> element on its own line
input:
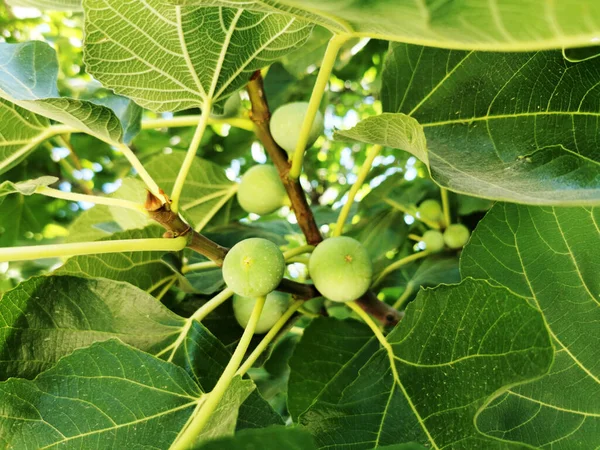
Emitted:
<point x="451" y="336"/>
<point x="517" y="139"/>
<point x="550" y="257"/>
<point x="272" y="438"/>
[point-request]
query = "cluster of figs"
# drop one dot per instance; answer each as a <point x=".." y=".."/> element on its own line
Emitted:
<point x="340" y="267"/>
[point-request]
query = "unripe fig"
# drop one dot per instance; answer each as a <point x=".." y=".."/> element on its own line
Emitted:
<point x="286" y="123"/>
<point x="230" y="108"/>
<point x="456" y="236"/>
<point x="434" y="241"/>
<point x="275" y="305"/>
<point x="431" y="210"/>
<point x="253" y="267"/>
<point x="261" y="190"/>
<point x="341" y="269"/>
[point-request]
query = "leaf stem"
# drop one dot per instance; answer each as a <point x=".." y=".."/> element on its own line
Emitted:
<point x="204" y="410"/>
<point x="139" y="168"/>
<point x="96" y="199"/>
<point x="199" y="266"/>
<point x="408" y="290"/>
<point x="333" y="48"/>
<point x="193" y="120"/>
<point x="90" y="248"/>
<point x="298" y="251"/>
<point x="264" y="343"/>
<point x="166" y="288"/>
<point x="189" y="157"/>
<point x="396" y="265"/>
<point x="362" y="176"/>
<point x="415" y="237"/>
<point x="198" y="316"/>
<point x="446" y="207"/>
<point x="412" y="212"/>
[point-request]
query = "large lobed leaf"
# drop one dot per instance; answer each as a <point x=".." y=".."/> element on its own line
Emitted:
<point x="493" y="25"/>
<point x="548" y="256"/>
<point x="519" y="127"/>
<point x="45" y="318"/>
<point x="170" y="58"/>
<point x="457" y="348"/>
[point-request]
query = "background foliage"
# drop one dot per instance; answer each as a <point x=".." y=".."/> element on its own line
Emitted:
<point x="499" y="344"/>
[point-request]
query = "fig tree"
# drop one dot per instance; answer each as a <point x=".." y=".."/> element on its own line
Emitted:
<point x="431" y="210"/>
<point x="341" y="269"/>
<point x="456" y="236"/>
<point x="286" y="123"/>
<point x="253" y="267"/>
<point x="261" y="190"/>
<point x="434" y="241"/>
<point x="275" y="305"/>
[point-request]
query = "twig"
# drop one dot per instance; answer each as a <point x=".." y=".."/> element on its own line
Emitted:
<point x="261" y="116"/>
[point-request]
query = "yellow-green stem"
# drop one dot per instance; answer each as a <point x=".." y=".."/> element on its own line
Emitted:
<point x="405" y="296"/>
<point x="139" y="168"/>
<point x="96" y="199"/>
<point x="415" y="237"/>
<point x="166" y="288"/>
<point x="413" y="212"/>
<point x="203" y="411"/>
<point x="315" y="101"/>
<point x="264" y="343"/>
<point x="362" y="175"/>
<point x="200" y="314"/>
<point x="446" y="207"/>
<point x="401" y="262"/>
<point x="377" y="332"/>
<point x="199" y="266"/>
<point x="91" y="248"/>
<point x="193" y="120"/>
<point x="189" y="157"/>
<point x="298" y="251"/>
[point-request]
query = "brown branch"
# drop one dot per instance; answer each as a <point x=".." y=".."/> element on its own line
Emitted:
<point x="261" y="116"/>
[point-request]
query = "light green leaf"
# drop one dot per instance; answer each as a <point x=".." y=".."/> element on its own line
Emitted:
<point x="272" y="438"/>
<point x="48" y="5"/>
<point x="174" y="58"/>
<point x="28" y="187"/>
<point x="549" y="256"/>
<point x="28" y="75"/>
<point x="107" y="394"/>
<point x="207" y="189"/>
<point x="493" y="25"/>
<point x="21" y="132"/>
<point x="88" y="225"/>
<point x="448" y="338"/>
<point x="392" y="130"/>
<point x="21" y="217"/>
<point x="523" y="138"/>
<point x="145" y="270"/>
